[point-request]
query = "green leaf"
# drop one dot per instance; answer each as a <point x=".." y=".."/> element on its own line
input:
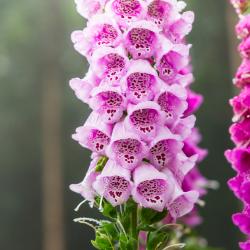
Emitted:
<point x="109" y="211"/>
<point x="146" y="228"/>
<point x="126" y="242"/>
<point x="110" y="229"/>
<point x="149" y="216"/>
<point x="194" y="243"/>
<point x="156" y="240"/>
<point x="101" y="164"/>
<point x="102" y="242"/>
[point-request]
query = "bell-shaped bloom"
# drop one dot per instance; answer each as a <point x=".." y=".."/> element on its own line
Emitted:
<point x="164" y="148"/>
<point x="240" y="185"/>
<point x="106" y="33"/>
<point x="245" y="245"/>
<point x="152" y="189"/>
<point x="240" y="159"/>
<point x="242" y="77"/>
<point x="184" y="126"/>
<point x="162" y="12"/>
<point x="88" y="8"/>
<point x="170" y="62"/>
<point x="114" y="183"/>
<point x="125" y="12"/>
<point x="192" y="219"/>
<point x="172" y="101"/>
<point x="191" y="147"/>
<point x="182" y="202"/>
<point x="141" y="39"/>
<point x="194" y="101"/>
<point x="83" y="87"/>
<point x="181" y="166"/>
<point x="126" y="148"/>
<point x="141" y="82"/>
<point x="240" y="7"/>
<point x="85" y="188"/>
<point x="241" y="104"/>
<point x="194" y="180"/>
<point x="243" y="27"/>
<point x="94" y="134"/>
<point x="110" y="64"/>
<point x="108" y="102"/>
<point x="177" y="30"/>
<point x="244" y="48"/>
<point x="240" y="133"/>
<point x="242" y="220"/>
<point x="144" y="119"/>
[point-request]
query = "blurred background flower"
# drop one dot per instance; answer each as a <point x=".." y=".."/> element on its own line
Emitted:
<point x="39" y="113"/>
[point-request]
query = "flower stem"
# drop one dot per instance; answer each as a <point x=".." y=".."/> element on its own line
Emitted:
<point x="133" y="224"/>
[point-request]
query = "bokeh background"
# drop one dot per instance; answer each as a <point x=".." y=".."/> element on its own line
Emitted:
<point x="38" y="113"/>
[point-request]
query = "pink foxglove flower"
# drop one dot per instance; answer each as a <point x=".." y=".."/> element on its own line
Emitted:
<point x="142" y="39"/>
<point x="141" y="82"/>
<point x="239" y="156"/>
<point x="141" y="129"/>
<point x="85" y="188"/>
<point x="126" y="148"/>
<point x="94" y="134"/>
<point x="152" y="188"/>
<point x="114" y="183"/>
<point x="108" y="102"/>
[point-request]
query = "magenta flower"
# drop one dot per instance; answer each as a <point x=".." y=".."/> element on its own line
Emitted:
<point x="243" y="27"/>
<point x="245" y="245"/>
<point x="241" y="104"/>
<point x="239" y="156"/>
<point x="242" y="77"/>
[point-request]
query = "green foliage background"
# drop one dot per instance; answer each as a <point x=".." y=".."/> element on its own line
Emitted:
<point x="24" y="37"/>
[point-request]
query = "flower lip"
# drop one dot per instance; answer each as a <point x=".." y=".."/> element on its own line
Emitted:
<point x="151" y="187"/>
<point x="114" y="183"/>
<point x="126" y="148"/>
<point x="142" y="39"/>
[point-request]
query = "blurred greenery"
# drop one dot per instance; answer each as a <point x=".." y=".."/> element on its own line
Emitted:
<point x="25" y="41"/>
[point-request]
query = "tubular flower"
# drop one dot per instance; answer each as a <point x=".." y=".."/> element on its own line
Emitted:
<point x="141" y="129"/>
<point x="239" y="156"/>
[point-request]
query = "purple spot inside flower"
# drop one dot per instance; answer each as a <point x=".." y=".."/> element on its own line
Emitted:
<point x="139" y="84"/>
<point x="152" y="190"/>
<point x="98" y="140"/>
<point x="144" y="120"/>
<point x="127" y="8"/>
<point x="106" y="35"/>
<point x="115" y="186"/>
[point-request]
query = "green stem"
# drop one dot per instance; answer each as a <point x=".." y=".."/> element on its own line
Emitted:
<point x="133" y="224"/>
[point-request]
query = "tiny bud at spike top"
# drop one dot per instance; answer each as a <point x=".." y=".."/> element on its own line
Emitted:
<point x="239" y="156"/>
<point x="141" y="130"/>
